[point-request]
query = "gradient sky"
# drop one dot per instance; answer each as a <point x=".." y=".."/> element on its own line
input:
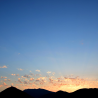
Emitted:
<point x="50" y="44"/>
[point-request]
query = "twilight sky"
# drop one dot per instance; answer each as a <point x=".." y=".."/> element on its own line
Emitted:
<point x="49" y="44"/>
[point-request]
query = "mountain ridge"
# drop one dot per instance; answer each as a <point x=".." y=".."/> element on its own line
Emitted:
<point x="13" y="92"/>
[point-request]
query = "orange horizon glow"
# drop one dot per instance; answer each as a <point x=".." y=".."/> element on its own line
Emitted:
<point x="55" y="84"/>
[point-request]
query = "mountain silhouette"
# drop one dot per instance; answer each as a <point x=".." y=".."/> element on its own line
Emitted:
<point x="37" y="92"/>
<point x="13" y="92"/>
<point x="81" y="93"/>
<point x="58" y="94"/>
<point x="84" y="93"/>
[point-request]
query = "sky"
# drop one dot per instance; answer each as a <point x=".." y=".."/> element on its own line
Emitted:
<point x="49" y="44"/>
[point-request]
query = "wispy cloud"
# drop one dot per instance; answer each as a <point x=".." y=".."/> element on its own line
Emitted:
<point x="25" y="82"/>
<point x="20" y="69"/>
<point x="82" y="42"/>
<point x="3" y="77"/>
<point x="37" y="79"/>
<point x="4" y="84"/>
<point x="1" y="85"/>
<point x="31" y="79"/>
<point x="37" y="74"/>
<point x="49" y="72"/>
<point x="19" y="80"/>
<point x="12" y="84"/>
<point x="51" y="80"/>
<point x="32" y="74"/>
<point x="53" y="73"/>
<point x="37" y="70"/>
<point x="18" y="53"/>
<point x="15" y="74"/>
<point x="26" y="76"/>
<point x="9" y="80"/>
<point x="4" y="66"/>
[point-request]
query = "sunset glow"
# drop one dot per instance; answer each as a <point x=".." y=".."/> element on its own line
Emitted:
<point x="49" y="44"/>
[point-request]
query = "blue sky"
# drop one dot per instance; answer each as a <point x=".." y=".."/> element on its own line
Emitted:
<point x="60" y="36"/>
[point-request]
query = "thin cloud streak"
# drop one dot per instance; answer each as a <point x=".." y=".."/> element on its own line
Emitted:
<point x="3" y="77"/>
<point x="4" y="66"/>
<point x="18" y="53"/>
<point x="15" y="74"/>
<point x="20" y="69"/>
<point x="49" y="72"/>
<point x="37" y="70"/>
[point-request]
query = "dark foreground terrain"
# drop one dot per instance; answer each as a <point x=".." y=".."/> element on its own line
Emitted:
<point x="13" y="92"/>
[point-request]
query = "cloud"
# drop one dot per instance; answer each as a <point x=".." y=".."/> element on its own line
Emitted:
<point x="25" y="82"/>
<point x="51" y="80"/>
<point x="1" y="85"/>
<point x="12" y="84"/>
<point x="9" y="80"/>
<point x="49" y="72"/>
<point x="82" y="42"/>
<point x="26" y="76"/>
<point x="20" y="69"/>
<point x="42" y="80"/>
<point x="37" y="79"/>
<point x="18" y="53"/>
<point x="15" y="74"/>
<point x="3" y="77"/>
<point x="4" y="66"/>
<point x="53" y="73"/>
<point x="26" y="79"/>
<point x="19" y="80"/>
<point x="37" y="74"/>
<point x="31" y="79"/>
<point x="32" y="74"/>
<point x="43" y="77"/>
<point x="4" y="84"/>
<point x="22" y="77"/>
<point x="37" y="70"/>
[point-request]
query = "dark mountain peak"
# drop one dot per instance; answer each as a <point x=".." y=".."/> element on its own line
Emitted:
<point x="86" y="90"/>
<point x="13" y="92"/>
<point x="37" y="92"/>
<point x="85" y="93"/>
<point x="60" y="91"/>
<point x="12" y="88"/>
<point x="61" y="94"/>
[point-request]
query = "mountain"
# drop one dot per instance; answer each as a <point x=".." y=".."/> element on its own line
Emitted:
<point x="81" y="93"/>
<point x="37" y="92"/>
<point x="85" y="93"/>
<point x="58" y="94"/>
<point x="61" y="94"/>
<point x="13" y="92"/>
